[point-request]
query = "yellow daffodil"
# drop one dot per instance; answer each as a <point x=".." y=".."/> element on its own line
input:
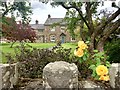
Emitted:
<point x="104" y="78"/>
<point x="82" y="45"/>
<point x="102" y="70"/>
<point x="78" y="52"/>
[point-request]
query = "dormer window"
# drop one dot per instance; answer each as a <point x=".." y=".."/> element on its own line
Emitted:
<point x="62" y="28"/>
<point x="53" y="29"/>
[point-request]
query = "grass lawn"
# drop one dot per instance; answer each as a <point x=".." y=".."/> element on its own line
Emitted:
<point x="5" y="47"/>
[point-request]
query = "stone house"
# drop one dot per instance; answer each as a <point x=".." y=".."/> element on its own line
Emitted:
<point x="48" y="32"/>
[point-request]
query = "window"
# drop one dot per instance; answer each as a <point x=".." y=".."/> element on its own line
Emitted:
<point x="53" y="29"/>
<point x="72" y="38"/>
<point x="62" y="28"/>
<point x="52" y="38"/>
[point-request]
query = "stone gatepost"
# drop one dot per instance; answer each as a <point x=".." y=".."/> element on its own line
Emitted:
<point x="8" y="76"/>
<point x="0" y="77"/>
<point x="60" y="75"/>
<point x="114" y="73"/>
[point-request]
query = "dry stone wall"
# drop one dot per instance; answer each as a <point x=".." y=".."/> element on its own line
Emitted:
<point x="114" y="73"/>
<point x="60" y="74"/>
<point x="8" y="76"/>
<point x="56" y="75"/>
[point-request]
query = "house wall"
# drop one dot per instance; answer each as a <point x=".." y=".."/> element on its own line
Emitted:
<point x="40" y="36"/>
<point x="47" y="32"/>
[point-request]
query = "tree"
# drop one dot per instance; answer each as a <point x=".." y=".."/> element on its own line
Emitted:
<point x="10" y="29"/>
<point x="17" y="9"/>
<point x="98" y="33"/>
<point x="17" y="32"/>
<point x="21" y="8"/>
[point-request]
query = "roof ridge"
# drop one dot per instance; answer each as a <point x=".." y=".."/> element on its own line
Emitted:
<point x="36" y="24"/>
<point x="57" y="18"/>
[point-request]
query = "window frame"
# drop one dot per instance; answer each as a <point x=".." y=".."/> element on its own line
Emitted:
<point x="62" y="28"/>
<point x="52" y="38"/>
<point x="52" y="29"/>
<point x="73" y="39"/>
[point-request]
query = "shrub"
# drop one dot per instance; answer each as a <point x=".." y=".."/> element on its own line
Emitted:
<point x="32" y="61"/>
<point x="113" y="51"/>
<point x="91" y="62"/>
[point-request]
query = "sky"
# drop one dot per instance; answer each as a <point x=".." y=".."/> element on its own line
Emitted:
<point x="41" y="10"/>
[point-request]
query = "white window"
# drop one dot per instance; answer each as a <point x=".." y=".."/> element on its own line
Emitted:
<point x="52" y="38"/>
<point x="72" y="38"/>
<point x="62" y="28"/>
<point x="53" y="29"/>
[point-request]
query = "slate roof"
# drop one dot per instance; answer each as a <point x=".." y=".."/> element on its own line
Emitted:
<point x="51" y="21"/>
<point x="37" y="26"/>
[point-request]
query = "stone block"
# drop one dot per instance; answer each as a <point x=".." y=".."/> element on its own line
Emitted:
<point x="114" y="73"/>
<point x="89" y="85"/>
<point x="9" y="75"/>
<point x="60" y="75"/>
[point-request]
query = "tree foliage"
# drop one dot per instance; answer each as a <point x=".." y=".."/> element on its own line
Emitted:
<point x="14" y="31"/>
<point x="98" y="30"/>
<point x="22" y="9"/>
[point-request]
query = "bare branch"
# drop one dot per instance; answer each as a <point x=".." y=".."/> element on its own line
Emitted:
<point x="79" y="11"/>
<point x="89" y="17"/>
<point x="112" y="17"/>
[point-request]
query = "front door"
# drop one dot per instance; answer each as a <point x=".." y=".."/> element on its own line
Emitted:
<point x="62" y="39"/>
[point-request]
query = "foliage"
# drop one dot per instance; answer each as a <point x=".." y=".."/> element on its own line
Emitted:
<point x="20" y="9"/>
<point x="99" y="58"/>
<point x="17" y="32"/>
<point x="82" y="58"/>
<point x="91" y="62"/>
<point x="102" y="72"/>
<point x="81" y="51"/>
<point x="97" y="33"/>
<point x="72" y="21"/>
<point x="113" y="51"/>
<point x="5" y="48"/>
<point x="33" y="61"/>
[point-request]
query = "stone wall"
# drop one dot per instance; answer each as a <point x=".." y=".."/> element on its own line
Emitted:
<point x="8" y="75"/>
<point x="60" y="74"/>
<point x="114" y="73"/>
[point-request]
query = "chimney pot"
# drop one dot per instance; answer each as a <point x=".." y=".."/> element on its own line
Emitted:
<point x="49" y="16"/>
<point x="36" y="22"/>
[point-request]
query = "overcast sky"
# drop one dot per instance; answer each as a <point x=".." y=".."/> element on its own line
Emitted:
<point x="41" y="11"/>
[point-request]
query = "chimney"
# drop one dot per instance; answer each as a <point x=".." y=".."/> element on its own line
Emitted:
<point x="49" y="16"/>
<point x="36" y="22"/>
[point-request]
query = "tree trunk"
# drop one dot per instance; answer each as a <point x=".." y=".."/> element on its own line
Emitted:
<point x="92" y="43"/>
<point x="107" y="31"/>
<point x="12" y="44"/>
<point x="100" y="46"/>
<point x="81" y="31"/>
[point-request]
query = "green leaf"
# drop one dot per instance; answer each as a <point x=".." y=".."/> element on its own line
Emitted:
<point x="95" y="51"/>
<point x="98" y="61"/>
<point x="94" y="74"/>
<point x="107" y="64"/>
<point x="84" y="58"/>
<point x="80" y="60"/>
<point x="92" y="67"/>
<point x="97" y="77"/>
